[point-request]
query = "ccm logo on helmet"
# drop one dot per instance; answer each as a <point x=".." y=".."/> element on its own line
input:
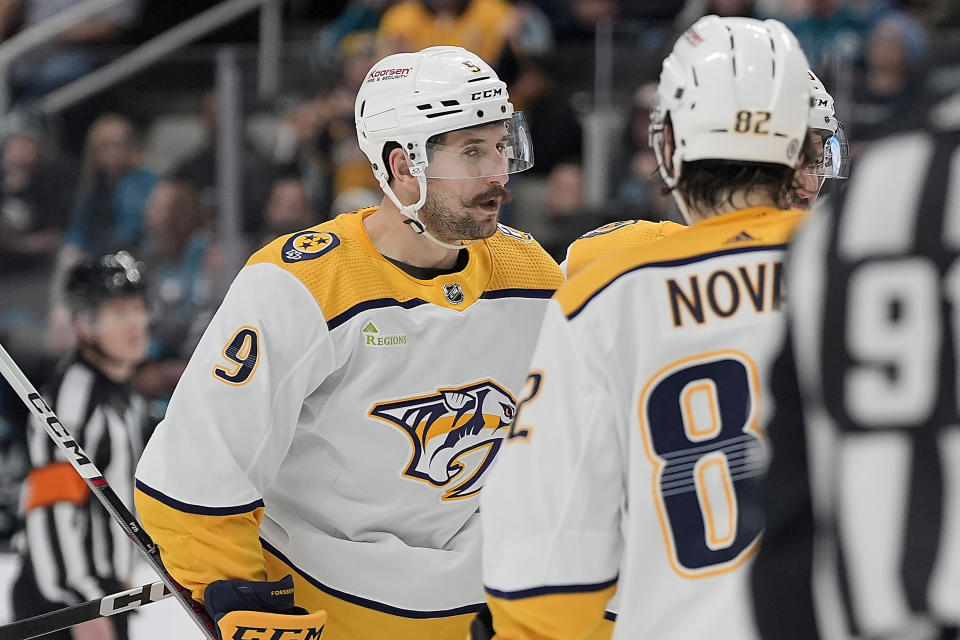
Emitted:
<point x="487" y="93"/>
<point x="388" y="74"/>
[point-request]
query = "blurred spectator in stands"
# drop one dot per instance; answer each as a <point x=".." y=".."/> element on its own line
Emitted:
<point x="183" y="263"/>
<point x="693" y="10"/>
<point x="638" y="183"/>
<point x="567" y="216"/>
<point x="583" y="16"/>
<point x="68" y="55"/>
<point x="200" y="170"/>
<point x="554" y="126"/>
<point x="353" y="199"/>
<point x="529" y="34"/>
<point x="318" y="139"/>
<point x="113" y="189"/>
<point x="943" y="14"/>
<point x="35" y="195"/>
<point x="360" y="16"/>
<point x="288" y="210"/>
<point x="830" y="30"/>
<point x="480" y="26"/>
<point x="108" y="212"/>
<point x="661" y="206"/>
<point x="887" y="88"/>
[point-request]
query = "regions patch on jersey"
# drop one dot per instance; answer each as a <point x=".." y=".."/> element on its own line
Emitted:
<point x="455" y="434"/>
<point x="308" y="245"/>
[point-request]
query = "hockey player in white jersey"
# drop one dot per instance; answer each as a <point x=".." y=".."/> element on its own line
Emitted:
<point x="337" y="420"/>
<point x="832" y="160"/>
<point x="633" y="463"/>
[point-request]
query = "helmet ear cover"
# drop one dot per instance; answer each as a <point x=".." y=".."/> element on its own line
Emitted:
<point x="388" y="148"/>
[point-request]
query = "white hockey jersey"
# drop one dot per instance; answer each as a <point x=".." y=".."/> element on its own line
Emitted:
<point x="635" y="459"/>
<point x="337" y="422"/>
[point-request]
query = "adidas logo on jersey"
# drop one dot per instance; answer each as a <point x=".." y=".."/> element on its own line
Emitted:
<point x="743" y="236"/>
<point x="373" y="338"/>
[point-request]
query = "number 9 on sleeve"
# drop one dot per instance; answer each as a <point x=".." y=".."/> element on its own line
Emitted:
<point x="243" y="350"/>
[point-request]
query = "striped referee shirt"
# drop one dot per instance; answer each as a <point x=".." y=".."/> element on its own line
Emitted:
<point x="862" y="497"/>
<point x="77" y="553"/>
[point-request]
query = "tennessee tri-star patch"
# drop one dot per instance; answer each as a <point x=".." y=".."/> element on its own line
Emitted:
<point x="308" y="245"/>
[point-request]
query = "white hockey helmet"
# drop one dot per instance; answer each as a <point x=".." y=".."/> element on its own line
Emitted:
<point x="732" y="89"/>
<point x="407" y="98"/>
<point x="835" y="160"/>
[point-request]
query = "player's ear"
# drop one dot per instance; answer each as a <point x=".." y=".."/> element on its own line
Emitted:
<point x="400" y="170"/>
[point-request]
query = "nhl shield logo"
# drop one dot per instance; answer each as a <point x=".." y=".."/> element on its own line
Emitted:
<point x="453" y="293"/>
<point x="455" y="434"/>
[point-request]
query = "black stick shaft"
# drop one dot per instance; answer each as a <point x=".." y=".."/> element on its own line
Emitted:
<point x="78" y="613"/>
<point x="100" y="488"/>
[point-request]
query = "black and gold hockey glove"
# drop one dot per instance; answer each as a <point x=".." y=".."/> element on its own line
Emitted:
<point x="249" y="609"/>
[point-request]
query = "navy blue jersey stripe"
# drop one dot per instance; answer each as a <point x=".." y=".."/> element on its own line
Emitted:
<point x="673" y="263"/>
<point x="372" y="604"/>
<point x="610" y="615"/>
<point x="544" y="591"/>
<point x="379" y="303"/>
<point x="518" y="293"/>
<point x="198" y="509"/>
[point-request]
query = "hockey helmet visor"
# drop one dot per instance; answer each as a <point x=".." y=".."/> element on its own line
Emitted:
<point x="833" y="153"/>
<point x="499" y="148"/>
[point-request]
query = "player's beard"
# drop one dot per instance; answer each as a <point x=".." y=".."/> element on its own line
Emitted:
<point x="450" y="217"/>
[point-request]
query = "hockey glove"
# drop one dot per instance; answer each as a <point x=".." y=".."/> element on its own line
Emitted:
<point x="264" y="609"/>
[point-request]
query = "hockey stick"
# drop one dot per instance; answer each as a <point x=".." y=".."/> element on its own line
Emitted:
<point x="99" y="608"/>
<point x="98" y="485"/>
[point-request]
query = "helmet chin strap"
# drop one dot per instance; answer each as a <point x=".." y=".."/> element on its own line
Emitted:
<point x="671" y="181"/>
<point x="411" y="211"/>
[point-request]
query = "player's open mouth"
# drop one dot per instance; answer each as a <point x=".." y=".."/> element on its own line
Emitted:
<point x="491" y="205"/>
